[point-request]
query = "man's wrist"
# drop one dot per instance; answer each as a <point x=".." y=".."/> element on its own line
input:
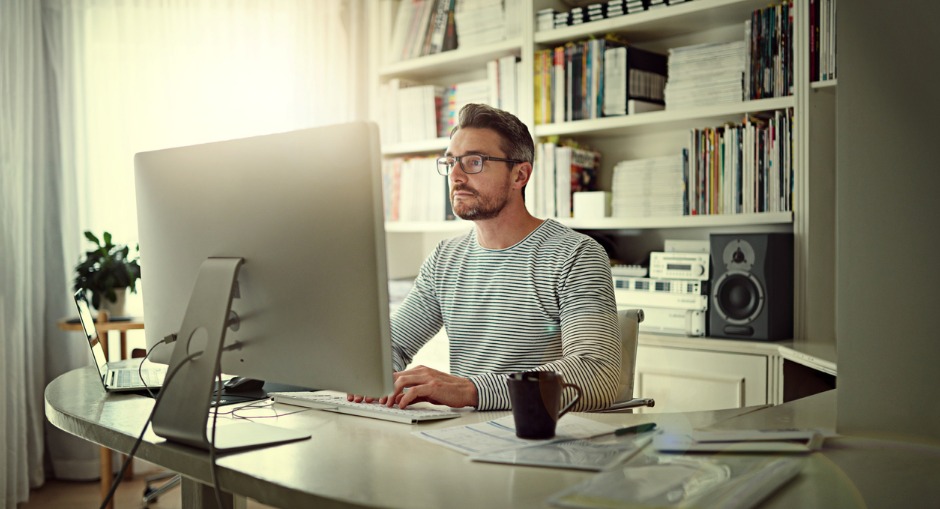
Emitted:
<point x="473" y="394"/>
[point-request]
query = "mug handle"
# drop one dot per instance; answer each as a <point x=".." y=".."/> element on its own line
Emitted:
<point x="575" y="400"/>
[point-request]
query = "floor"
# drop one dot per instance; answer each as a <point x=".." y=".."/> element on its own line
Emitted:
<point x="83" y="495"/>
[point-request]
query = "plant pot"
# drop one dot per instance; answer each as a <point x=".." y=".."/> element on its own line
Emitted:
<point x="115" y="308"/>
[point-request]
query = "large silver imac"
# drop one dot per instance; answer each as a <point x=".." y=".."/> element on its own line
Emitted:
<point x="266" y="257"/>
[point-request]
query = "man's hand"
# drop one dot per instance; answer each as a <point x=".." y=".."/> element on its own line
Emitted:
<point x="422" y="383"/>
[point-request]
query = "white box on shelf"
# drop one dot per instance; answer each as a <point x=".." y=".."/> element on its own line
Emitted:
<point x="591" y="204"/>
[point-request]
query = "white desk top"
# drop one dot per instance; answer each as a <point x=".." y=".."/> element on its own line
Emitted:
<point x="354" y="461"/>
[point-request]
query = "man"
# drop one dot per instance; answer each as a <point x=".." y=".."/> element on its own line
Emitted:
<point x="515" y="294"/>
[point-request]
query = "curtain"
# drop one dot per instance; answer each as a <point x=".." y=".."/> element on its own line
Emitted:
<point x="140" y="75"/>
<point x="30" y="247"/>
<point x="87" y="84"/>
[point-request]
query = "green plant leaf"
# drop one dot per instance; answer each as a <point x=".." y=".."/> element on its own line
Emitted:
<point x="106" y="268"/>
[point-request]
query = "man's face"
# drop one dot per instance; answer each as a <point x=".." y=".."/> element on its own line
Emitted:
<point x="480" y="195"/>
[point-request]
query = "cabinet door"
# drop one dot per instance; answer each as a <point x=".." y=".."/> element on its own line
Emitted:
<point x="684" y="380"/>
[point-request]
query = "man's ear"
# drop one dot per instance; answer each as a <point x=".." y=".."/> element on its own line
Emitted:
<point x="523" y="175"/>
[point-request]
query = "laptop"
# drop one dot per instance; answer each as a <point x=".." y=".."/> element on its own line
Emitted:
<point x="121" y="375"/>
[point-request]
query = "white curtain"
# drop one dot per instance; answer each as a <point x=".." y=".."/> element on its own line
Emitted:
<point x="126" y="76"/>
<point x="30" y="247"/>
<point x="138" y="75"/>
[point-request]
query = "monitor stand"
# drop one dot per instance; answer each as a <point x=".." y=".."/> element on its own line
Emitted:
<point x="182" y="411"/>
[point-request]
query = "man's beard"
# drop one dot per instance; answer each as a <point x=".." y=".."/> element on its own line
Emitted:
<point x="485" y="207"/>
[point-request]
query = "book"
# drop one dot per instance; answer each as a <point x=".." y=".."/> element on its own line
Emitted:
<point x="635" y="106"/>
<point x="403" y="20"/>
<point x="559" y="84"/>
<point x="632" y="73"/>
<point x="438" y="28"/>
<point x="575" y="171"/>
<point x="507" y="83"/>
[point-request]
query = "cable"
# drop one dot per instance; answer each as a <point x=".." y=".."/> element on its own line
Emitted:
<point x="166" y="381"/>
<point x="212" y="451"/>
<point x="140" y="367"/>
<point x="140" y="438"/>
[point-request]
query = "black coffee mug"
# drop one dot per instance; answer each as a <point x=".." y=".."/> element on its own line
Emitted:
<point x="536" y="402"/>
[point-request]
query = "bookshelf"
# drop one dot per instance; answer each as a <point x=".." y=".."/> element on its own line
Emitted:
<point x="652" y="134"/>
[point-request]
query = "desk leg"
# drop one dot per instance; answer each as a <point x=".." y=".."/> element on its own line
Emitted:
<point x="197" y="495"/>
<point x="107" y="475"/>
<point x="123" y="344"/>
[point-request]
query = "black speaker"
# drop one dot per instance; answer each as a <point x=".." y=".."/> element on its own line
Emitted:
<point x="751" y="286"/>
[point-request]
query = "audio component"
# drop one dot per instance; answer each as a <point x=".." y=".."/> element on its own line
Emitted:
<point x="661" y="300"/>
<point x="629" y="270"/>
<point x="663" y="293"/>
<point x="682" y="322"/>
<point x="751" y="286"/>
<point x="645" y="284"/>
<point x="686" y="246"/>
<point x="679" y="265"/>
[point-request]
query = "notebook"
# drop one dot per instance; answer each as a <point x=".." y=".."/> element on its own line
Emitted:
<point x="121" y="375"/>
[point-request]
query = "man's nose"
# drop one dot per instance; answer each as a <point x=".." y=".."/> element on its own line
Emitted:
<point x="457" y="174"/>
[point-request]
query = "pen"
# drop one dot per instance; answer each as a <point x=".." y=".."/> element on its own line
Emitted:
<point x="639" y="428"/>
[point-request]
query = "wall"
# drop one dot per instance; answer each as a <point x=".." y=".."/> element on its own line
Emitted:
<point x="888" y="199"/>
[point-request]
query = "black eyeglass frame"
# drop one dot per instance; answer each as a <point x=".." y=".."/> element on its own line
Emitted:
<point x="441" y="163"/>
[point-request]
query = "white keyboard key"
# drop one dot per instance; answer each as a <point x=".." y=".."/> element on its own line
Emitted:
<point x="333" y="403"/>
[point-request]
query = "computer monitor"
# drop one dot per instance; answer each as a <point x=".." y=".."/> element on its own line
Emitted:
<point x="293" y="223"/>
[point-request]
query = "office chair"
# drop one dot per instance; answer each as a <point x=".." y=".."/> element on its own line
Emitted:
<point x="629" y="335"/>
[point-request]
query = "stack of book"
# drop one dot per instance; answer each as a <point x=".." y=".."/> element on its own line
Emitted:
<point x="414" y="191"/>
<point x="426" y="27"/>
<point x="418" y="108"/>
<point x="412" y="111"/>
<point x="481" y="21"/>
<point x="653" y="187"/>
<point x="560" y="171"/>
<point x="769" y="33"/>
<point x="545" y="19"/>
<point x="549" y="19"/>
<point x="596" y="78"/>
<point x="706" y="74"/>
<point x="422" y="27"/>
<point x="822" y="40"/>
<point x="503" y="75"/>
<point x="744" y="168"/>
<point x="458" y="95"/>
<point x="635" y="80"/>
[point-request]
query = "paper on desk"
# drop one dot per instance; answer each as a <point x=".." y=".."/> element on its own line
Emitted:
<point x="753" y="440"/>
<point x="595" y="454"/>
<point x="658" y="480"/>
<point x="500" y="434"/>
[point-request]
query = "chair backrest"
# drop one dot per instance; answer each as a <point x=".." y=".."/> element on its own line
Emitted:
<point x="629" y="334"/>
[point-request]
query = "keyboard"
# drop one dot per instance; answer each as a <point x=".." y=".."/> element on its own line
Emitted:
<point x="125" y="378"/>
<point x="339" y="404"/>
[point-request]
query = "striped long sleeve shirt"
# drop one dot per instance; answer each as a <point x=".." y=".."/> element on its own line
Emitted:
<point x="546" y="303"/>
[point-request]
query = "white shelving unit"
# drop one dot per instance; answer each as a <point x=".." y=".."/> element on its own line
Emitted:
<point x="664" y="132"/>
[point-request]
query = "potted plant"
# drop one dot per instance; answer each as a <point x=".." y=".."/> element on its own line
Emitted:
<point x="107" y="271"/>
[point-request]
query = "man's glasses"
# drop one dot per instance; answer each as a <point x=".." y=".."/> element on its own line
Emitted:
<point x="469" y="163"/>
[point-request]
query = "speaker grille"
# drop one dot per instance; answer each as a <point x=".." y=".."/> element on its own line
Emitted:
<point x="738" y="297"/>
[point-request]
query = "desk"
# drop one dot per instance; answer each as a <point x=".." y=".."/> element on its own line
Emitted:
<point x="105" y="326"/>
<point x="354" y="461"/>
